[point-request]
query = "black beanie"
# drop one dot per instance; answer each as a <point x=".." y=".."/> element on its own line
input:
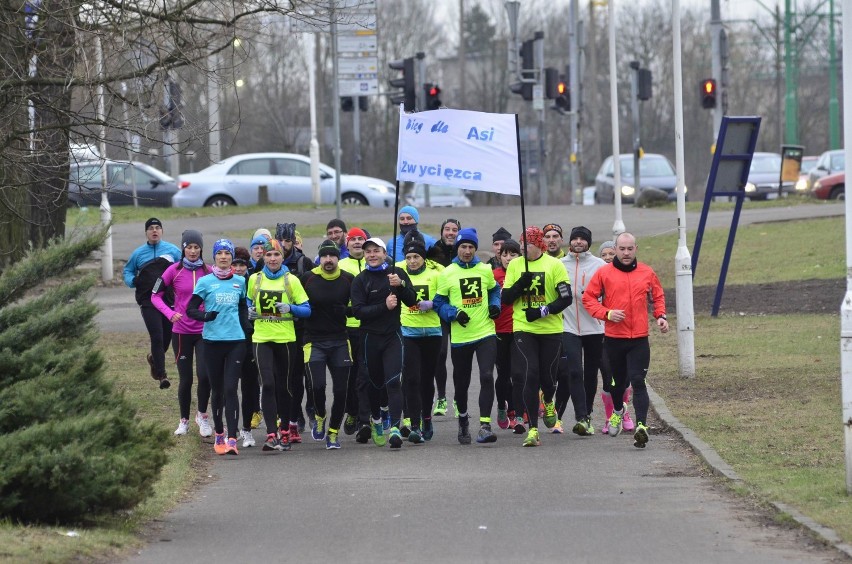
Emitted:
<point x="582" y="233"/>
<point x="328" y="247"/>
<point x="500" y="235"/>
<point x="510" y="246"/>
<point x="153" y="221"/>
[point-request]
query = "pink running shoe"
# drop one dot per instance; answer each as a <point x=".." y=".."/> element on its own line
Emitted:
<point x="605" y="428"/>
<point x="627" y="423"/>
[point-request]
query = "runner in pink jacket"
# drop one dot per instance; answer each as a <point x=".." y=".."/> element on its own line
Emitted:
<point x="180" y="279"/>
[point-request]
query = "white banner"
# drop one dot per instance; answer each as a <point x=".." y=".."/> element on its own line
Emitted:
<point x="470" y="150"/>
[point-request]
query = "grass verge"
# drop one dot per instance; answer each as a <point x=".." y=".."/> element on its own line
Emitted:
<point x="114" y="535"/>
<point x="766" y="396"/>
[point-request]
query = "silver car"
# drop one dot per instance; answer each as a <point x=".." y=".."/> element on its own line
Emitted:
<point x="236" y="180"/>
<point x="439" y="197"/>
<point x="655" y="171"/>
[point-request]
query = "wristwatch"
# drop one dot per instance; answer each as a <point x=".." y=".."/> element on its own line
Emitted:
<point x="663" y="317"/>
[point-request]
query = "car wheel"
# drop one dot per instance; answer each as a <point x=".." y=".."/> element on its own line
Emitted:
<point x="219" y="202"/>
<point x="353" y="199"/>
<point x="837" y="193"/>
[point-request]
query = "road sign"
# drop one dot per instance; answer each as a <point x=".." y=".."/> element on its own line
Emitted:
<point x="357" y="43"/>
<point x="357" y="86"/>
<point x="359" y="67"/>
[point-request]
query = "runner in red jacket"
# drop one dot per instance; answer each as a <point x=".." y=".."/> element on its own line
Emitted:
<point x="618" y="294"/>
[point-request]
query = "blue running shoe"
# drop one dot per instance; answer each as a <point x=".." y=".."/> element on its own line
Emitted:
<point x="428" y="430"/>
<point x="318" y="428"/>
<point x="386" y="422"/>
<point x="331" y="441"/>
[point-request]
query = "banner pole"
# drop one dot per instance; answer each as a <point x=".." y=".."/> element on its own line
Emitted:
<point x="395" y="214"/>
<point x="521" y="185"/>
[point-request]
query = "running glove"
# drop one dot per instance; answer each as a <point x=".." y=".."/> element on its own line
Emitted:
<point x="424" y="305"/>
<point x="252" y="314"/>
<point x="282" y="307"/>
<point x="210" y="315"/>
<point x="462" y="318"/>
<point x="493" y="311"/>
<point x="534" y="313"/>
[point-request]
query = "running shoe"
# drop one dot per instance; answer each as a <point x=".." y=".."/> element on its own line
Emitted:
<point x="464" y="430"/>
<point x="605" y="428"/>
<point x="363" y="434"/>
<point x="549" y="414"/>
<point x="589" y="424"/>
<point x="378" y="434"/>
<point x="502" y="419"/>
<point x="183" y="427"/>
<point x="581" y="428"/>
<point x="519" y="428"/>
<point x="440" y="407"/>
<point x="386" y="422"/>
<point x="350" y="425"/>
<point x="627" y="423"/>
<point x="164" y="383"/>
<point x="272" y="443"/>
<point x="203" y="422"/>
<point x="331" y="441"/>
<point x="232" y="446"/>
<point x="428" y="431"/>
<point x="318" y="428"/>
<point x="640" y="437"/>
<point x="532" y="439"/>
<point x="406" y="427"/>
<point x="615" y="423"/>
<point x="284" y="439"/>
<point x="247" y="438"/>
<point x="394" y="438"/>
<point x="485" y="434"/>
<point x="455" y="409"/>
<point x="295" y="437"/>
<point x="150" y="359"/>
<point x="256" y="419"/>
<point x="558" y="429"/>
<point x="416" y="437"/>
<point x="311" y="411"/>
<point x="219" y="444"/>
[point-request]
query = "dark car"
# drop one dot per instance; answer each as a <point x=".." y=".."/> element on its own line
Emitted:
<point x="764" y="176"/>
<point x="830" y="162"/>
<point x="655" y="171"/>
<point x="153" y="188"/>
<point x="831" y="187"/>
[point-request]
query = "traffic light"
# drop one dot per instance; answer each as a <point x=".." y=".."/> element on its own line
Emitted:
<point x="708" y="93"/>
<point x="527" y="60"/>
<point x="563" y="98"/>
<point x="644" y="84"/>
<point x="408" y="95"/>
<point x="347" y="103"/>
<point x="433" y="93"/>
<point x="551" y="83"/>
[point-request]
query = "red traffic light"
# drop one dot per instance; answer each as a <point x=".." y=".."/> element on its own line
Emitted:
<point x="434" y="91"/>
<point x="709" y="86"/>
<point x="708" y="93"/>
<point x="561" y="88"/>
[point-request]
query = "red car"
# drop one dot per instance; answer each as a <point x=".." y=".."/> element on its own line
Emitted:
<point x="831" y="187"/>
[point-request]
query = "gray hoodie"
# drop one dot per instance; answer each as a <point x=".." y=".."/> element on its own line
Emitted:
<point x="575" y="318"/>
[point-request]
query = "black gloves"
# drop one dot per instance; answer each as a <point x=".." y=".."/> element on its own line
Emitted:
<point x="534" y="313"/>
<point x="462" y="318"/>
<point x="210" y="315"/>
<point x="525" y="278"/>
<point x="493" y="311"/>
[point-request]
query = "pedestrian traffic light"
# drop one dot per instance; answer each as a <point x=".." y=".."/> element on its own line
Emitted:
<point x="433" y="96"/>
<point x="708" y="93"/>
<point x="527" y="61"/>
<point x="408" y="95"/>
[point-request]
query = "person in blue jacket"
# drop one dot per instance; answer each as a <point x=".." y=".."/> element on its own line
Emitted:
<point x="408" y="219"/>
<point x="144" y="267"/>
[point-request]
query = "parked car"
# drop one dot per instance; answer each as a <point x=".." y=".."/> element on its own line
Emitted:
<point x="829" y="162"/>
<point x="803" y="184"/>
<point x="287" y="176"/>
<point x="655" y="171"/>
<point x="153" y="188"/>
<point x="439" y="197"/>
<point x="831" y="187"/>
<point x="764" y="174"/>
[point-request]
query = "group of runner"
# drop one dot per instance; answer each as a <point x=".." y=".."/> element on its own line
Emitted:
<point x="379" y="320"/>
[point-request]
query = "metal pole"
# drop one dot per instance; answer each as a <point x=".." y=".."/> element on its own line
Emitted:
<point x="618" y="225"/>
<point x="716" y="64"/>
<point x="313" y="147"/>
<point x="127" y="141"/>
<point x="336" y="112"/>
<point x="778" y="96"/>
<point x="790" y="57"/>
<point x="213" y="124"/>
<point x="356" y="132"/>
<point x="574" y="94"/>
<point x="106" y="210"/>
<point x="637" y="142"/>
<point x="833" y="105"/>
<point x="542" y="130"/>
<point x="846" y="306"/>
<point x="683" y="261"/>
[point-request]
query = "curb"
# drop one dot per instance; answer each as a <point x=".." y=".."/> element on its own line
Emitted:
<point x="721" y="468"/>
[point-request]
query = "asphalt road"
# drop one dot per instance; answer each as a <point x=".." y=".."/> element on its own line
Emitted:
<point x="571" y="500"/>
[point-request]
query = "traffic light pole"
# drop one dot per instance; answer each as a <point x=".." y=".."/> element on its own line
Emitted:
<point x="574" y="94"/>
<point x="637" y="126"/>
<point x="336" y="111"/>
<point x="618" y="224"/>
<point x="716" y="64"/>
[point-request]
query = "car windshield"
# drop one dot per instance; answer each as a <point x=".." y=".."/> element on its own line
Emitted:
<point x="648" y="167"/>
<point x="420" y="192"/>
<point x="764" y="164"/>
<point x="808" y="165"/>
<point x="838" y="162"/>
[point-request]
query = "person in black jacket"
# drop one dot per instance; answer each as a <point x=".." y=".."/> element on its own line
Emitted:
<point x="376" y="296"/>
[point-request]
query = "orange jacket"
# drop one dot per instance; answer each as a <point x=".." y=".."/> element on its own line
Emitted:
<point x="627" y="291"/>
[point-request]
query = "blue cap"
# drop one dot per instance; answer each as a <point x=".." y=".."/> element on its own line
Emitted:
<point x="467" y="235"/>
<point x="223" y="244"/>
<point x="412" y="211"/>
